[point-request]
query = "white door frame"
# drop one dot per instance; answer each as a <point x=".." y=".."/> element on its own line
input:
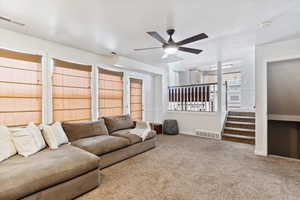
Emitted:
<point x="261" y="101"/>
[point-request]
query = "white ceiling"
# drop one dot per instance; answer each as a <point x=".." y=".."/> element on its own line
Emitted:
<point x="102" y="26"/>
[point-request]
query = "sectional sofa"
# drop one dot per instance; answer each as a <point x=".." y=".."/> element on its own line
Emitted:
<point x="72" y="169"/>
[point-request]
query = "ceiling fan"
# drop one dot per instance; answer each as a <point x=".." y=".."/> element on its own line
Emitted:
<point x="171" y="47"/>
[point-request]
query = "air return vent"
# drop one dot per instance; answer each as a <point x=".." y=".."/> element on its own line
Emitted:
<point x="2" y="18"/>
<point x="207" y="134"/>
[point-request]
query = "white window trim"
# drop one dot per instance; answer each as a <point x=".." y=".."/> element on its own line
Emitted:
<point x="95" y="92"/>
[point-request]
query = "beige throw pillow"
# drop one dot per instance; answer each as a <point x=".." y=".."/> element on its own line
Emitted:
<point x="28" y="140"/>
<point x="7" y="148"/>
<point x="143" y="125"/>
<point x="37" y="135"/>
<point x="54" y="135"/>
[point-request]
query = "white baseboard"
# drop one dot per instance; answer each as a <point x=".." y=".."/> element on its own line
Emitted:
<point x="260" y="153"/>
<point x="187" y="133"/>
<point x="194" y="134"/>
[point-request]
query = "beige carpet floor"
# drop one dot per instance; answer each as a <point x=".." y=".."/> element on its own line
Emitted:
<point x="192" y="168"/>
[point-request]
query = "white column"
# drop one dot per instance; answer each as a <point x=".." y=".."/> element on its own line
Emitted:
<point x="165" y="94"/>
<point x="220" y="96"/>
<point x="47" y="71"/>
<point x="126" y="93"/>
<point x="94" y="92"/>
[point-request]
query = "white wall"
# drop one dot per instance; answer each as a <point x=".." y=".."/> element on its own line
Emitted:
<point x="158" y="98"/>
<point x="248" y="79"/>
<point x="263" y="54"/>
<point x="27" y="44"/>
<point x="190" y="122"/>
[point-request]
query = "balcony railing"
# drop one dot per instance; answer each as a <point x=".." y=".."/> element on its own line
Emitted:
<point x="193" y="98"/>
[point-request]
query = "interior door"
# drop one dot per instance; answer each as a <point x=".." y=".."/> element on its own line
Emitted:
<point x="136" y="99"/>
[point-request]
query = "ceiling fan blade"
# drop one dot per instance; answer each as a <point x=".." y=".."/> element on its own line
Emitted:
<point x="141" y="49"/>
<point x="190" y="50"/>
<point x="157" y="36"/>
<point x="192" y="39"/>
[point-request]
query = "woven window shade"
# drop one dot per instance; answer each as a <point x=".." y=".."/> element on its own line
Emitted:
<point x="136" y="99"/>
<point x="20" y="88"/>
<point x="71" y="92"/>
<point x="110" y="93"/>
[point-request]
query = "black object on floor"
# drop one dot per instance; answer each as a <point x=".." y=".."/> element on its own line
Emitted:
<point x="170" y="127"/>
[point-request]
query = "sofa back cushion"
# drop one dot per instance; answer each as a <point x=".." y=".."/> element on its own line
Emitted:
<point x="80" y="130"/>
<point x="118" y="123"/>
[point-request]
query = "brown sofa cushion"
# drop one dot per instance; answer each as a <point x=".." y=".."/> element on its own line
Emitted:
<point x="125" y="134"/>
<point x="99" y="145"/>
<point x="132" y="137"/>
<point x="118" y="123"/>
<point x="23" y="176"/>
<point x="80" y="130"/>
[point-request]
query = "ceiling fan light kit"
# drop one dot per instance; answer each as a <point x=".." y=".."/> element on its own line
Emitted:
<point x="171" y="47"/>
<point x="171" y="50"/>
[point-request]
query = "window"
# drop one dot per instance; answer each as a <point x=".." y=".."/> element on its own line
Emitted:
<point x="20" y="88"/>
<point x="71" y="92"/>
<point x="110" y="93"/>
<point x="136" y="99"/>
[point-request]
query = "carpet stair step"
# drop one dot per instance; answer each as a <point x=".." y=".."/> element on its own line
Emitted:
<point x="239" y="138"/>
<point x="249" y="114"/>
<point x="239" y="131"/>
<point x="241" y="119"/>
<point x="242" y="125"/>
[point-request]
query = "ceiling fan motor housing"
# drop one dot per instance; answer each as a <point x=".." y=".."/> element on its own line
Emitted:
<point x="171" y="31"/>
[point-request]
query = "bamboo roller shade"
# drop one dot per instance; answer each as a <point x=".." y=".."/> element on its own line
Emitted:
<point x="20" y="88"/>
<point x="110" y="93"/>
<point x="136" y="99"/>
<point x="71" y="92"/>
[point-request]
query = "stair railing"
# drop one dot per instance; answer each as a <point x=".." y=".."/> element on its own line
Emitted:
<point x="193" y="98"/>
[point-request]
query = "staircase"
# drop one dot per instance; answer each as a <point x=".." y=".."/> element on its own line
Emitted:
<point x="240" y="127"/>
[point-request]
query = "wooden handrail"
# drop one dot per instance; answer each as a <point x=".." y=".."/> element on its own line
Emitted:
<point x="193" y="85"/>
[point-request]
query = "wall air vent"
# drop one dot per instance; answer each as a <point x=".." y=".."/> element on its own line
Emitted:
<point x="207" y="134"/>
<point x="11" y="21"/>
